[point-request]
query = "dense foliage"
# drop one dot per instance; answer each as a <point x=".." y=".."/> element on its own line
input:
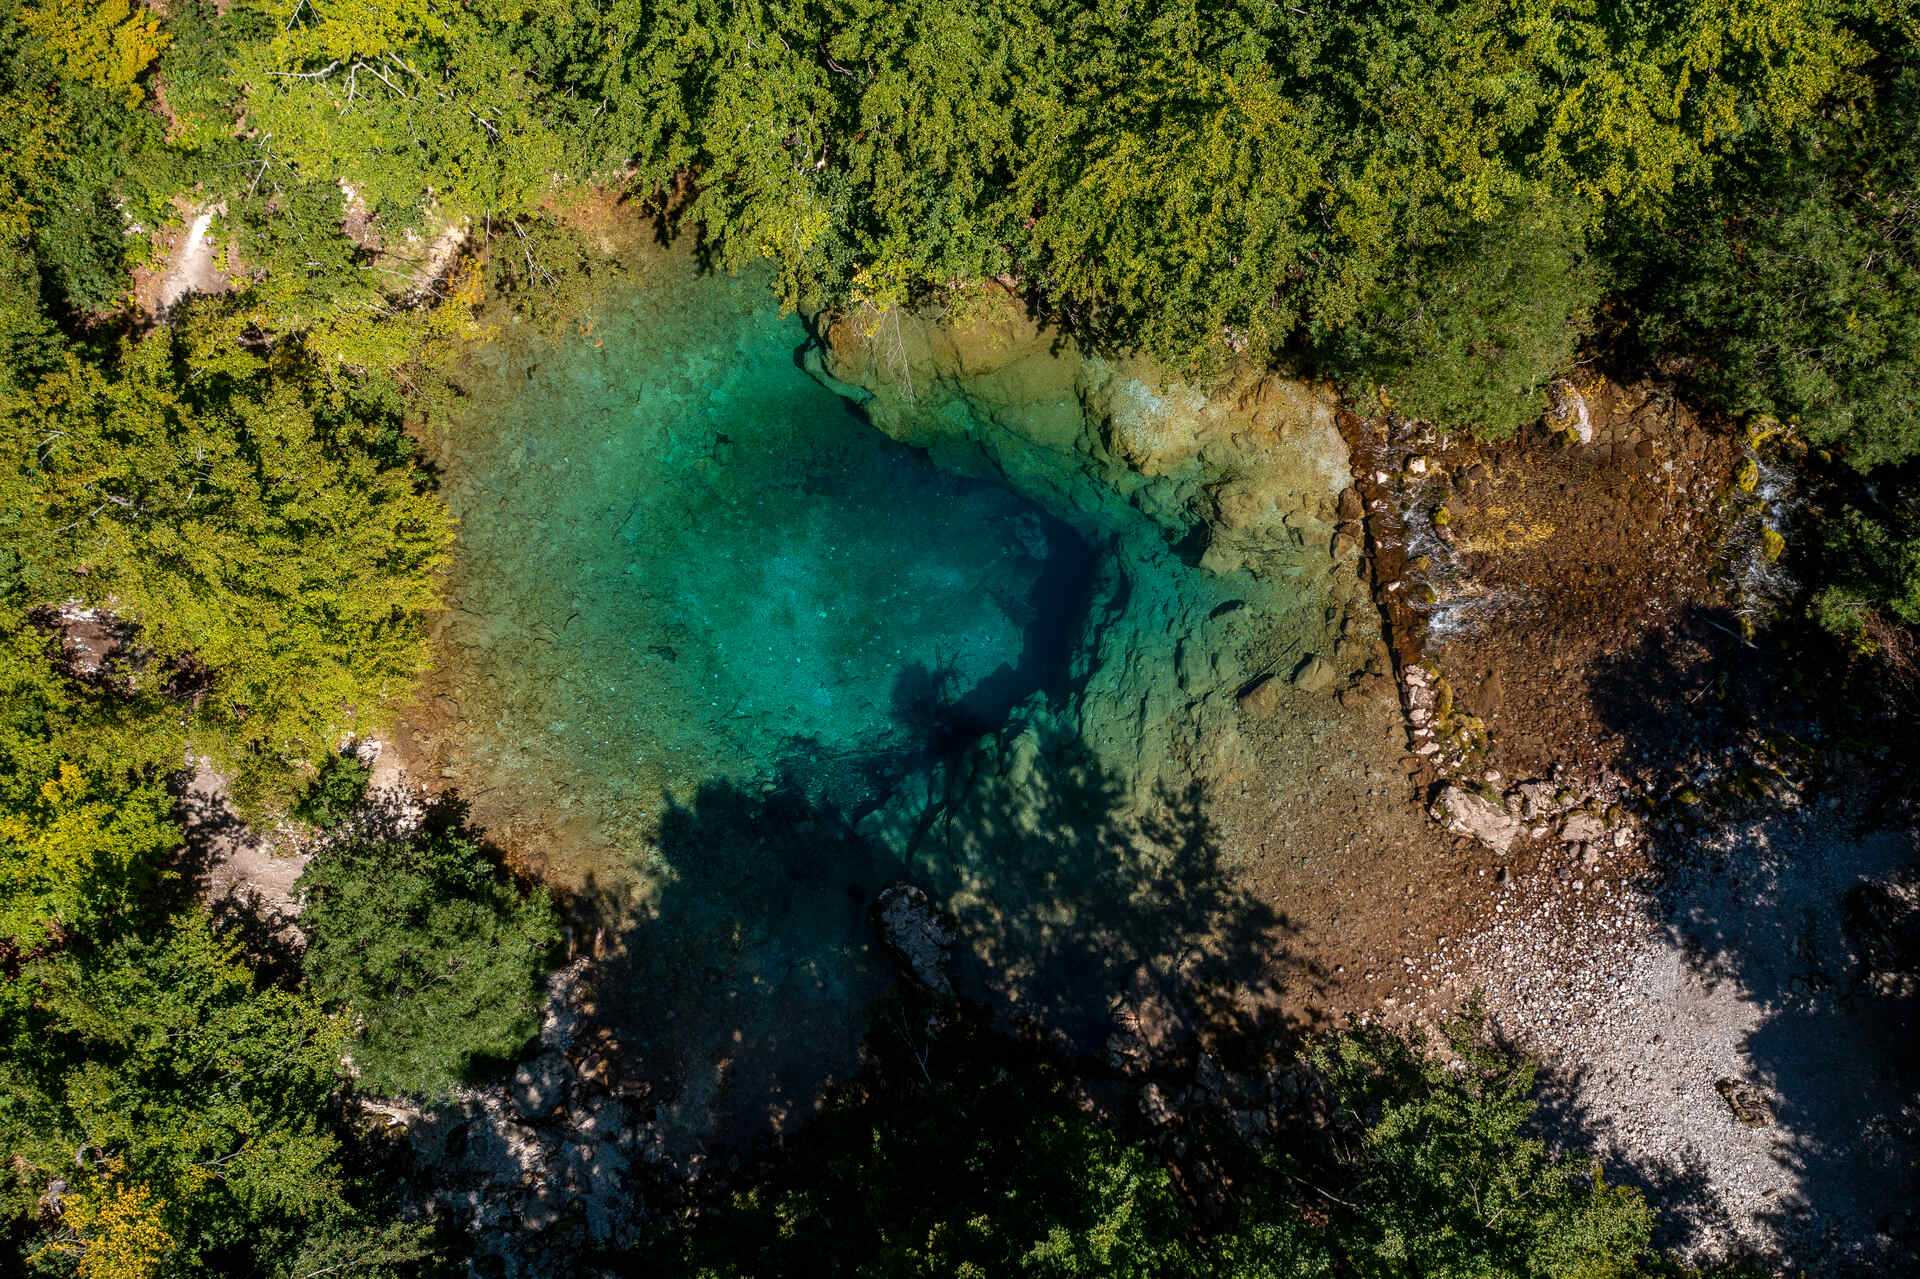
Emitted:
<point x="216" y="543"/>
<point x="336" y="791"/>
<point x="979" y="1169"/>
<point x="262" y="527"/>
<point x="1794" y="287"/>
<point x="437" y="957"/>
<point x="177" y="1108"/>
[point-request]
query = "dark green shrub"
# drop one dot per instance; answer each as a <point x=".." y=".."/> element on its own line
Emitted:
<point x="439" y="956"/>
<point x="340" y="788"/>
<point x="1792" y="287"/>
<point x="1443" y="1177"/>
<point x="1470" y="330"/>
<point x="82" y="249"/>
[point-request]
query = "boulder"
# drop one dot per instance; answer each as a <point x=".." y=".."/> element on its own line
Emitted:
<point x="915" y="935"/>
<point x="1263" y="699"/>
<point x="1535" y="799"/>
<point x="1314" y="675"/>
<point x="1466" y="812"/>
<point x="1583" y="828"/>
<point x="540" y="1085"/>
<point x="1749" y="1104"/>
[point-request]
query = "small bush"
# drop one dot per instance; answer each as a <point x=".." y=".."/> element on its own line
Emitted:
<point x="340" y="788"/>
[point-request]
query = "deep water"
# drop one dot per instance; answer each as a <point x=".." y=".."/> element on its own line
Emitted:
<point x="723" y="660"/>
<point x="682" y="561"/>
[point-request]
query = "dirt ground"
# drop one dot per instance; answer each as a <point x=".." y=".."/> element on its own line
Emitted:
<point x="1587" y="602"/>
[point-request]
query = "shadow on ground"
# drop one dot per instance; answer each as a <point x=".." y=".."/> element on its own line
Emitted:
<point x="747" y="991"/>
<point x="1791" y="909"/>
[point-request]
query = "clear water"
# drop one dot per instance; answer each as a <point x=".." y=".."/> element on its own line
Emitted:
<point x="715" y="642"/>
<point x="684" y="562"/>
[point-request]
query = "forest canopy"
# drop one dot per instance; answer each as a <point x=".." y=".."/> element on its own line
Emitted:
<point x="1445" y="204"/>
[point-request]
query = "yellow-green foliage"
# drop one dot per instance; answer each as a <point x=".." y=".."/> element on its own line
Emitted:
<point x="77" y="853"/>
<point x="112" y="1230"/>
<point x="107" y="43"/>
<point x="262" y="526"/>
<point x="83" y="830"/>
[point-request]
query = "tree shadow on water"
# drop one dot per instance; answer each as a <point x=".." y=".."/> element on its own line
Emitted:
<point x="1762" y="881"/>
<point x="746" y="993"/>
<point x="1084" y="909"/>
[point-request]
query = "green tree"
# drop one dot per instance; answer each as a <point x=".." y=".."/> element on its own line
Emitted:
<point x="1442" y="1180"/>
<point x="263" y="526"/>
<point x="1469" y="331"/>
<point x="1793" y="287"/>
<point x="439" y="958"/>
<point x="338" y="788"/>
<point x="1867" y="572"/>
<point x="85" y="827"/>
<point x="163" y="1064"/>
<point x="989" y="1169"/>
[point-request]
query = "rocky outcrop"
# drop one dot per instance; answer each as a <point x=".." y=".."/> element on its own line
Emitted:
<point x="914" y="933"/>
<point x="534" y="1169"/>
<point x="1216" y="504"/>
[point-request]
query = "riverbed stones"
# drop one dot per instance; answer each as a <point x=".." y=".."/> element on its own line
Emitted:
<point x="1481" y="816"/>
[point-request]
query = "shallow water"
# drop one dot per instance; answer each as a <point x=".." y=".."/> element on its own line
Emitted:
<point x="682" y="561"/>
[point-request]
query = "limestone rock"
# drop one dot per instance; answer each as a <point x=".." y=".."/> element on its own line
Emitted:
<point x="1465" y="812"/>
<point x="915" y="935"/>
<point x="1264" y="698"/>
<point x="1583" y="828"/>
<point x="540" y="1086"/>
<point x="1534" y="799"/>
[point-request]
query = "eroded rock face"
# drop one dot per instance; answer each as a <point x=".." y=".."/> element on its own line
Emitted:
<point x="1252" y="458"/>
<point x="1216" y="506"/>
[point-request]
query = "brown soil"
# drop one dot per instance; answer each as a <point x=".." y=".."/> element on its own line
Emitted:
<point x="1559" y="565"/>
<point x="1598" y="547"/>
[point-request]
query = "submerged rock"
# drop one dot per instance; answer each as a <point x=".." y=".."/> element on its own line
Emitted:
<point x="1214" y="504"/>
<point x="1315" y="675"/>
<point x="1264" y="697"/>
<point x="1465" y="812"/>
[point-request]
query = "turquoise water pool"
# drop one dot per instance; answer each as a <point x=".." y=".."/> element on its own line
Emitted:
<point x="682" y="561"/>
